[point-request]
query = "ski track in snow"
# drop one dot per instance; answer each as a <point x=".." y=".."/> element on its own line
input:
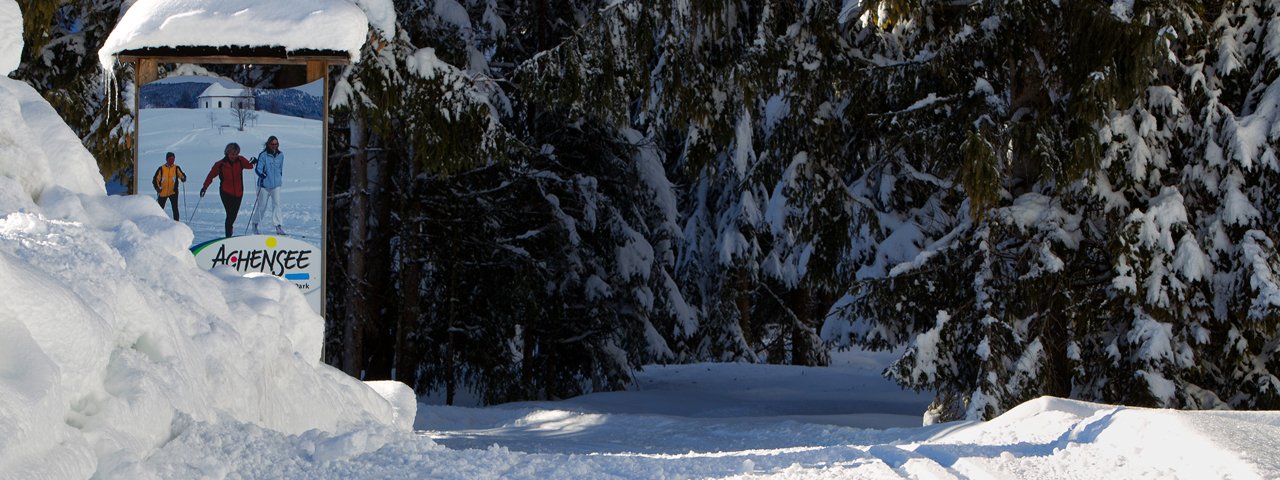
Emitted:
<point x="794" y="450"/>
<point x="680" y="423"/>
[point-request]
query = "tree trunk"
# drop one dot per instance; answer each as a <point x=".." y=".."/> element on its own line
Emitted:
<point x="450" y="367"/>
<point x="380" y="327"/>
<point x="801" y="350"/>
<point x="1056" y="334"/>
<point x="742" y="296"/>
<point x="528" y="384"/>
<point x="406" y="356"/>
<point x="412" y="240"/>
<point x="357" y="302"/>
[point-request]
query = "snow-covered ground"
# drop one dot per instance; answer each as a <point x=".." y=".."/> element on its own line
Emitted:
<point x="749" y="421"/>
<point x="120" y="358"/>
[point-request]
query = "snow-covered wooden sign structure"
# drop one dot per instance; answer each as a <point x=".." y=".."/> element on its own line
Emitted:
<point x="307" y="37"/>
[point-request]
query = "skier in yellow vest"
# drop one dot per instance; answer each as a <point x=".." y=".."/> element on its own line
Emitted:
<point x="166" y="180"/>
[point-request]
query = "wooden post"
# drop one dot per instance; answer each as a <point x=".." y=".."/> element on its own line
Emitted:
<point x="137" y="125"/>
<point x="145" y="70"/>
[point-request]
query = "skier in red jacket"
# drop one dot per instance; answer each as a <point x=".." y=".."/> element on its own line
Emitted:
<point x="230" y="172"/>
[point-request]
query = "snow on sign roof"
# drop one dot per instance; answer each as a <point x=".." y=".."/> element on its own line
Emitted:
<point x="298" y="25"/>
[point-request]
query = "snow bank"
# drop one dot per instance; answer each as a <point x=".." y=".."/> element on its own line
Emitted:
<point x="112" y="339"/>
<point x="46" y="147"/>
<point x="10" y="36"/>
<point x="1056" y="438"/>
<point x="404" y="402"/>
<point x="312" y="24"/>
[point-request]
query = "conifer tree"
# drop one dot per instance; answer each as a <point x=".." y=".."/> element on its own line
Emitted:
<point x="1034" y="198"/>
<point x="526" y="262"/>
<point x="1086" y="272"/>
<point x="60" y="59"/>
<point x="388" y="145"/>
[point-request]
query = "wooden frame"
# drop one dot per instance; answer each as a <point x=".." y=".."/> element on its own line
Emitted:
<point x="234" y="55"/>
<point x="147" y="62"/>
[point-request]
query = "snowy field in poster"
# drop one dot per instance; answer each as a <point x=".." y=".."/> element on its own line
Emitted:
<point x="197" y="136"/>
<point x="191" y="117"/>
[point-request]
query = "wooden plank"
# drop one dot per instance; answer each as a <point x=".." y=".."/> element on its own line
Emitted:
<point x="316" y="69"/>
<point x="147" y="71"/>
<point x="290" y="76"/>
<point x="236" y="55"/>
<point x="237" y="52"/>
<point x="228" y="60"/>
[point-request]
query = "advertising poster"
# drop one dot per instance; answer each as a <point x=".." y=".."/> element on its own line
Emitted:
<point x="257" y="156"/>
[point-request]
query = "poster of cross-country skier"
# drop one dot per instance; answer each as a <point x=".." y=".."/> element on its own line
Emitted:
<point x="242" y="167"/>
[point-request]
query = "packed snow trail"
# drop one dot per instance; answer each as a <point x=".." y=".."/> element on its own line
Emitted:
<point x="589" y="437"/>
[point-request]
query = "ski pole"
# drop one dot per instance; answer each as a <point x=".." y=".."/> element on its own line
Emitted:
<point x="193" y="212"/>
<point x="257" y="196"/>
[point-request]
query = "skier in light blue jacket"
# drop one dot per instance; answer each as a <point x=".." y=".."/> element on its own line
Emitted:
<point x="270" y="170"/>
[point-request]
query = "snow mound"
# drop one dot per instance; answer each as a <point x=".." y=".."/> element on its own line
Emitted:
<point x="38" y="149"/>
<point x="337" y="25"/>
<point x="112" y="339"/>
<point x="403" y="401"/>
<point x="1053" y="437"/>
<point x="10" y="36"/>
